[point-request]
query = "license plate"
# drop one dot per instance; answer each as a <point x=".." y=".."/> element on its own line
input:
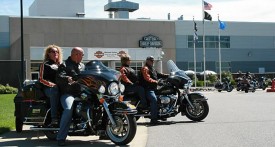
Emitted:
<point x="34" y="111"/>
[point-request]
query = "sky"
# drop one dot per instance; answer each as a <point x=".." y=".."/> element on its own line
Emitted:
<point x="228" y="10"/>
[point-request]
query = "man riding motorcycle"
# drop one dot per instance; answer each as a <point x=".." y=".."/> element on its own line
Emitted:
<point x="149" y="80"/>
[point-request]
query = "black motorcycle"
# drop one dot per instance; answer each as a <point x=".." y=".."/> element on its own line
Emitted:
<point x="246" y="84"/>
<point x="262" y="84"/>
<point x="98" y="109"/>
<point x="174" y="97"/>
<point x="224" y="86"/>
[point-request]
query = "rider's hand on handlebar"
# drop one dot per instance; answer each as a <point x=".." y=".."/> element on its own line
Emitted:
<point x="160" y="82"/>
<point x="70" y="80"/>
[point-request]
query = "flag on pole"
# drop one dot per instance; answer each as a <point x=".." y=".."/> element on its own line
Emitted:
<point x="207" y="6"/>
<point x="196" y="38"/>
<point x="207" y="16"/>
<point x="195" y="32"/>
<point x="195" y="26"/>
<point x="222" y="25"/>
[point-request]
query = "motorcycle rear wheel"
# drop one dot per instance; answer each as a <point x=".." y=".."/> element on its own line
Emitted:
<point x="200" y="111"/>
<point x="124" y="131"/>
<point x="51" y="135"/>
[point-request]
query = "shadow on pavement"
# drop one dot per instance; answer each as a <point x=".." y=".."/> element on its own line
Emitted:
<point x="37" y="138"/>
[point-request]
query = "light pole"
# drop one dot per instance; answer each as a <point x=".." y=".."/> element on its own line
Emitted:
<point x="22" y="41"/>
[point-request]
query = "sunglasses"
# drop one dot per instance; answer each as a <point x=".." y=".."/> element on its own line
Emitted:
<point x="52" y="51"/>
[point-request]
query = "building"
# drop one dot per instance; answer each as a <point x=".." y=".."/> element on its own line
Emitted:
<point x="245" y="46"/>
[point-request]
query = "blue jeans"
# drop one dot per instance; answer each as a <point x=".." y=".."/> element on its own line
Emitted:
<point x="67" y="101"/>
<point x="53" y="94"/>
<point x="153" y="103"/>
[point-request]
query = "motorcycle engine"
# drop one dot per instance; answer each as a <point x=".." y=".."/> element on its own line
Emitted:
<point x="166" y="102"/>
<point x="164" y="99"/>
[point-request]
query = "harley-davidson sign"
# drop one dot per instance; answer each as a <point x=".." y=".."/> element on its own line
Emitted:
<point x="107" y="54"/>
<point x="150" y="41"/>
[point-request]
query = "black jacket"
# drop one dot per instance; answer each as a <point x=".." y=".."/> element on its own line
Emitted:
<point x="47" y="73"/>
<point x="128" y="76"/>
<point x="69" y="69"/>
<point x="149" y="76"/>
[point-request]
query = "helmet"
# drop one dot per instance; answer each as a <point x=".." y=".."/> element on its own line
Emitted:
<point x="124" y="58"/>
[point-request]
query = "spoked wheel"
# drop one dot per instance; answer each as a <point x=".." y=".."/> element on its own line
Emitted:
<point x="199" y="112"/>
<point x="124" y="131"/>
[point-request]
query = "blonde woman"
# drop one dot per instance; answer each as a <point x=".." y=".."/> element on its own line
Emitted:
<point x="47" y="76"/>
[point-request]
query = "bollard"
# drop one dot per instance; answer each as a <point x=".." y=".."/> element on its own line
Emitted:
<point x="272" y="87"/>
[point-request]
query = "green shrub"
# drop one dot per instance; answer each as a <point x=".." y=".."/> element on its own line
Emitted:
<point x="7" y="113"/>
<point x="7" y="89"/>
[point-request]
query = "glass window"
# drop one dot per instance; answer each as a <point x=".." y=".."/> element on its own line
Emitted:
<point x="198" y="66"/>
<point x="210" y="42"/>
<point x="225" y="66"/>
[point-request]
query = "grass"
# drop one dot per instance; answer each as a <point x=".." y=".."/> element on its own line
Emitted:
<point x="7" y="119"/>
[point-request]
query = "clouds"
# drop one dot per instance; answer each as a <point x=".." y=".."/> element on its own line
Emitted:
<point x="229" y="10"/>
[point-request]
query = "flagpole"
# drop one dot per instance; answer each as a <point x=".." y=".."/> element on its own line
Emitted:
<point x="220" y="62"/>
<point x="194" y="40"/>
<point x="203" y="41"/>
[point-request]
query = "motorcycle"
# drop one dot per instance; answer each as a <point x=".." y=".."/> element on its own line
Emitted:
<point x="262" y="83"/>
<point x="246" y="84"/>
<point x="226" y="85"/>
<point x="99" y="108"/>
<point x="173" y="97"/>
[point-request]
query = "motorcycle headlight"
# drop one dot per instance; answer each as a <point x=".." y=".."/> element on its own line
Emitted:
<point x="101" y="89"/>
<point x="121" y="87"/>
<point x="113" y="88"/>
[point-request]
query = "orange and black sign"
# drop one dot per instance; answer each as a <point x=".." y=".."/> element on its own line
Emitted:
<point x="99" y="54"/>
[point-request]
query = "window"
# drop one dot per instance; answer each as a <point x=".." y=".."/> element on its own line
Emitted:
<point x="210" y="42"/>
<point x="198" y="66"/>
<point x="35" y="75"/>
<point x="225" y="66"/>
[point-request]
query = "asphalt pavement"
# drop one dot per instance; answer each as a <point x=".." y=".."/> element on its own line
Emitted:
<point x="37" y="138"/>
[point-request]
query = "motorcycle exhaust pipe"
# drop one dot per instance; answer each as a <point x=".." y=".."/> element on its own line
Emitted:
<point x="43" y="129"/>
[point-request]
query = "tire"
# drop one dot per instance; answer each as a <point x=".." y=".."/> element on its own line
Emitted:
<point x="200" y="111"/>
<point x="219" y="90"/>
<point x="51" y="135"/>
<point x="125" y="130"/>
<point x="137" y="118"/>
<point x="230" y="88"/>
<point x="18" y="124"/>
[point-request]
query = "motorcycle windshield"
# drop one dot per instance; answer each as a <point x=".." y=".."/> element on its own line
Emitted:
<point x="97" y="68"/>
<point x="173" y="69"/>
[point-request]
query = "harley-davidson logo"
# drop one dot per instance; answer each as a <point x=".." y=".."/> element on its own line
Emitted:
<point x="99" y="54"/>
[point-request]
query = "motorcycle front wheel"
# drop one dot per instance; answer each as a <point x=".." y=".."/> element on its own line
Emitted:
<point x="230" y="88"/>
<point x="199" y="112"/>
<point x="124" y="131"/>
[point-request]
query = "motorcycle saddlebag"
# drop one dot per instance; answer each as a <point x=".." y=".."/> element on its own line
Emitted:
<point x="33" y="91"/>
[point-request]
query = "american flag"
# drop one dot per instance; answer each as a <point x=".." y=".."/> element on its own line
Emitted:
<point x="207" y="6"/>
